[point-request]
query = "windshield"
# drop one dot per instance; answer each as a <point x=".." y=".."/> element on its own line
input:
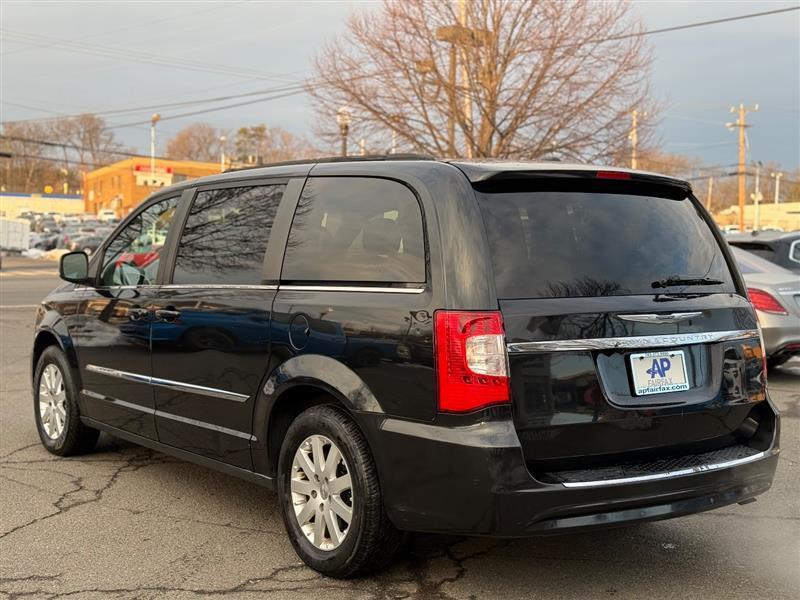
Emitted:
<point x="559" y="244"/>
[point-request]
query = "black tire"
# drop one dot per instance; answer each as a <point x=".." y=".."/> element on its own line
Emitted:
<point x="371" y="540"/>
<point x="75" y="437"/>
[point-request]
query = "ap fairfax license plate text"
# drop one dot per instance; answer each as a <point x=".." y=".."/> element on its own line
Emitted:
<point x="659" y="372"/>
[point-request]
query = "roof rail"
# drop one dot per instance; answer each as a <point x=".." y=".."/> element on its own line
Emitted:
<point x="337" y="159"/>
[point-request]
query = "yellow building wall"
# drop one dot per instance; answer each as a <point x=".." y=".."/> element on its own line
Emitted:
<point x="785" y="215"/>
<point x="12" y="205"/>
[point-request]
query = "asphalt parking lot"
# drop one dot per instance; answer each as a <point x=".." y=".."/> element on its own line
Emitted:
<point x="126" y="522"/>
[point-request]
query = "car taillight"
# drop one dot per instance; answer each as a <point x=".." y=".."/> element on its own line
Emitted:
<point x="471" y="361"/>
<point x="765" y="302"/>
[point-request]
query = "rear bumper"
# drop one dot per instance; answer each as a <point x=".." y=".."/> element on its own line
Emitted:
<point x="781" y="333"/>
<point x="474" y="481"/>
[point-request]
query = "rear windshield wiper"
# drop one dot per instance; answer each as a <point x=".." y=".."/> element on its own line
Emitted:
<point x="670" y="281"/>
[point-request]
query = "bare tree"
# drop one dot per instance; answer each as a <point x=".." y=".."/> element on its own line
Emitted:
<point x="520" y="79"/>
<point x="198" y="141"/>
<point x="30" y="167"/>
<point x="270" y="144"/>
<point x="56" y="153"/>
<point x="87" y="138"/>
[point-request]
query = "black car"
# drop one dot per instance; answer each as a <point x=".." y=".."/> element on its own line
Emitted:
<point x="783" y="249"/>
<point x="405" y="344"/>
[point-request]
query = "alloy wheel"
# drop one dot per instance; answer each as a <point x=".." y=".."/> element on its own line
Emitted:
<point x="52" y="401"/>
<point x="322" y="493"/>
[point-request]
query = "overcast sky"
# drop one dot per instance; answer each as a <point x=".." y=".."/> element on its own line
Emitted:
<point x="698" y="73"/>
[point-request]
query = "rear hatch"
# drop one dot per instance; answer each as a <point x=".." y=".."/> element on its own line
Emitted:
<point x="629" y="336"/>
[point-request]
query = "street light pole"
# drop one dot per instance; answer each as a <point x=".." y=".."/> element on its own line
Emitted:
<point x="777" y="177"/>
<point x="777" y="196"/>
<point x="222" y="141"/>
<point x="757" y="197"/>
<point x="343" y="120"/>
<point x="153" y="120"/>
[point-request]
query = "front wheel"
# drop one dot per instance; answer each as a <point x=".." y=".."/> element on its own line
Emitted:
<point x="55" y="407"/>
<point x="330" y="496"/>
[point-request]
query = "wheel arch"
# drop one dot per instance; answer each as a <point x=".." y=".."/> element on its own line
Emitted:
<point x="296" y="385"/>
<point x="53" y="332"/>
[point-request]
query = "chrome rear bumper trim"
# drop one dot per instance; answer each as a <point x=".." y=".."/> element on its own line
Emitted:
<point x="632" y="342"/>
<point x="668" y="474"/>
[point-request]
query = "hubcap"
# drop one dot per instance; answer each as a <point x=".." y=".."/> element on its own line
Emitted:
<point x="52" y="401"/>
<point x="322" y="493"/>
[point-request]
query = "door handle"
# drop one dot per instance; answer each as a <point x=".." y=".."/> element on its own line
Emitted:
<point x="167" y="315"/>
<point x="138" y="314"/>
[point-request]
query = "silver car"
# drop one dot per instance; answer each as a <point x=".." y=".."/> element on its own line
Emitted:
<point x="775" y="293"/>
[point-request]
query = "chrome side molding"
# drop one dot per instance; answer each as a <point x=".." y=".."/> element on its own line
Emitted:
<point x="663" y="318"/>
<point x="166" y="415"/>
<point x="633" y="342"/>
<point x="667" y="474"/>
<point x="169" y="383"/>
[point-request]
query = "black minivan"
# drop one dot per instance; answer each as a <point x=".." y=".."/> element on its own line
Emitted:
<point x="405" y="344"/>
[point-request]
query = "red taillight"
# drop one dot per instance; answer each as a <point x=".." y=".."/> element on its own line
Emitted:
<point x="471" y="362"/>
<point x="612" y="175"/>
<point x="765" y="302"/>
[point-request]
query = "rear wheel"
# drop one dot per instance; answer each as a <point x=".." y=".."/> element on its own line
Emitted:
<point x="330" y="496"/>
<point x="55" y="405"/>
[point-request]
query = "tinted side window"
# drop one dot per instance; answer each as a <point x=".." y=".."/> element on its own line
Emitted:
<point x="133" y="256"/>
<point x="226" y="235"/>
<point x="352" y="229"/>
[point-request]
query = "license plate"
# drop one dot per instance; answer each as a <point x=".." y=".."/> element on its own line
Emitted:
<point x="659" y="372"/>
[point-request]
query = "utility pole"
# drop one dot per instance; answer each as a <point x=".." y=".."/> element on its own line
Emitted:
<point x="708" y="197"/>
<point x="465" y="37"/>
<point x="633" y="136"/>
<point x="222" y="140"/>
<point x="465" y="83"/>
<point x="741" y="124"/>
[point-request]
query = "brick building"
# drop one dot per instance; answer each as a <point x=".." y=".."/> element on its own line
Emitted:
<point x="123" y="185"/>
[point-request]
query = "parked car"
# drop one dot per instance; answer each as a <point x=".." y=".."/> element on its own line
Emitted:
<point x="775" y="294"/>
<point x="71" y="220"/>
<point x="47" y="226"/>
<point x="86" y="243"/>
<point x="783" y="249"/>
<point x="106" y="214"/>
<point x="407" y="344"/>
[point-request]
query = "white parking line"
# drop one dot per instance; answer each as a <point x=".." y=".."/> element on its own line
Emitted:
<point x="12" y="306"/>
<point x="29" y="273"/>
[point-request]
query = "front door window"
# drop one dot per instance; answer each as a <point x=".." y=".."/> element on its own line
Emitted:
<point x="132" y="258"/>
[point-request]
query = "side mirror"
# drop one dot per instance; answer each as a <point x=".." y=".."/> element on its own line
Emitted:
<point x="74" y="267"/>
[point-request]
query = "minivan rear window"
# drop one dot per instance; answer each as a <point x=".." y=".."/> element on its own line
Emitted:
<point x="560" y="244"/>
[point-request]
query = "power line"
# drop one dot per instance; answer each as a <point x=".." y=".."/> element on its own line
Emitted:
<point x="139" y="57"/>
<point x="24" y="140"/>
<point x="122" y="111"/>
<point x="59" y="160"/>
<point x="197" y="65"/>
<point x="210" y="110"/>
<point x="624" y="36"/>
